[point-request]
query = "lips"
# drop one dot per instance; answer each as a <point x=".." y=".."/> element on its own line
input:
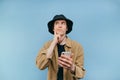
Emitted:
<point x="60" y="31"/>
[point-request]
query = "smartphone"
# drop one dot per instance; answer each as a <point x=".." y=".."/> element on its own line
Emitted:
<point x="66" y="53"/>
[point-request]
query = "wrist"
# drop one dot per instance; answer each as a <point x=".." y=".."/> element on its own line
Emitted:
<point x="72" y="69"/>
<point x="53" y="43"/>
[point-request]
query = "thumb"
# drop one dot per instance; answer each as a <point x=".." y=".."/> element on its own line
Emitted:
<point x="71" y="55"/>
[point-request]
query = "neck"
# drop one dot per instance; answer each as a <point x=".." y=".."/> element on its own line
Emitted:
<point x="63" y="40"/>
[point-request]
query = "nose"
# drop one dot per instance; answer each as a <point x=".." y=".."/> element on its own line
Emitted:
<point x="60" y="26"/>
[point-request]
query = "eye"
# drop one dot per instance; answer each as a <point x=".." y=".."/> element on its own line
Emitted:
<point x="56" y="23"/>
<point x="63" y="23"/>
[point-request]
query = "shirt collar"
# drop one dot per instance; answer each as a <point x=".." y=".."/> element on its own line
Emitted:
<point x="68" y="42"/>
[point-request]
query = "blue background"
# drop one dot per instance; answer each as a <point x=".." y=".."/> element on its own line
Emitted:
<point x="23" y="31"/>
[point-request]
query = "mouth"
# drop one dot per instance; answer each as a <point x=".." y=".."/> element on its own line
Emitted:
<point x="59" y="31"/>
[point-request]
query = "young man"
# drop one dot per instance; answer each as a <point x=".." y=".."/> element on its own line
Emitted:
<point x="61" y="66"/>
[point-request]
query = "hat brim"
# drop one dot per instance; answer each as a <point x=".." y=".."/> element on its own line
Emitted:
<point x="51" y="25"/>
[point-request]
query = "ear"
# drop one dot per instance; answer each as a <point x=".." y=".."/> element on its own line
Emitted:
<point x="53" y="30"/>
<point x="66" y="28"/>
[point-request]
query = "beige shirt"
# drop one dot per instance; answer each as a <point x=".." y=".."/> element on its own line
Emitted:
<point x="78" y="59"/>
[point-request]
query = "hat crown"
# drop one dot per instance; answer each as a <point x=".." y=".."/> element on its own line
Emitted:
<point x="59" y="17"/>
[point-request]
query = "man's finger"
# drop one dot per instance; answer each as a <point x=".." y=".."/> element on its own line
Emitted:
<point x="65" y="61"/>
<point x="64" y="64"/>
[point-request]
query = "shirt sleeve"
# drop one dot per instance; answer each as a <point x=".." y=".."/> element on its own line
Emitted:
<point x="42" y="61"/>
<point x="79" y="61"/>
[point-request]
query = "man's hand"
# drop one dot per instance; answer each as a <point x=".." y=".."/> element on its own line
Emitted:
<point x="58" y="37"/>
<point x="66" y="62"/>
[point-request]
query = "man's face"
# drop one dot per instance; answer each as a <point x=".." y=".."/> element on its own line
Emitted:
<point x="60" y="27"/>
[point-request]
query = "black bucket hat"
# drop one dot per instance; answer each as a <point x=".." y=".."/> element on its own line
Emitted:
<point x="60" y="17"/>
